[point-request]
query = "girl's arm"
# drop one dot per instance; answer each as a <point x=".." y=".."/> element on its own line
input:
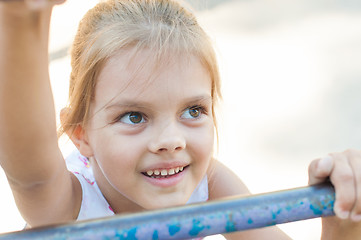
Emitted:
<point x="45" y="192"/>
<point x="223" y="183"/>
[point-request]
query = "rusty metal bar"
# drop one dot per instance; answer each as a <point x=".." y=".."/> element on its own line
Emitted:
<point x="198" y="220"/>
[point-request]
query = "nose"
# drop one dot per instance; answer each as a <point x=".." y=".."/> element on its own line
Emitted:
<point x="169" y="138"/>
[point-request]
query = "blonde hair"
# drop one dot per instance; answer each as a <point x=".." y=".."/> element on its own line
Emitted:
<point x="163" y="26"/>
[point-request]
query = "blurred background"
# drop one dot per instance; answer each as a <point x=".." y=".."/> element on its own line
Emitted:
<point x="291" y="73"/>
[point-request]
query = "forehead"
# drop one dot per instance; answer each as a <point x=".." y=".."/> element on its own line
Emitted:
<point x="130" y="74"/>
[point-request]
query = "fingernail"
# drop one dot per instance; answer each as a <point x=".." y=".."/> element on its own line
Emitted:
<point x="325" y="164"/>
<point x="355" y="217"/>
<point x="36" y="4"/>
<point x="58" y="1"/>
<point x="342" y="214"/>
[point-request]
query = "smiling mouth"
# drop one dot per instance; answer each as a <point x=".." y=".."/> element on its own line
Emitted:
<point x="164" y="173"/>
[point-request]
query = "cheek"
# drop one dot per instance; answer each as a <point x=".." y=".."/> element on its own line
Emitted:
<point x="121" y="152"/>
<point x="202" y="142"/>
<point x="118" y="161"/>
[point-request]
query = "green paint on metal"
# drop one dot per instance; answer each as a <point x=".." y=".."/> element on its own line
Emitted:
<point x="230" y="227"/>
<point x="316" y="209"/>
<point x="155" y="235"/>
<point x="196" y="228"/>
<point x="173" y="229"/>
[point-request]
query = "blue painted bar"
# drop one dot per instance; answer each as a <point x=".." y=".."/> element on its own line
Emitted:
<point x="198" y="220"/>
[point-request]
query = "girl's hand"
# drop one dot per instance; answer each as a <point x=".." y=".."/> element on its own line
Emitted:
<point x="344" y="171"/>
<point x="40" y="4"/>
<point x="21" y="14"/>
<point x="18" y="12"/>
<point x="32" y="5"/>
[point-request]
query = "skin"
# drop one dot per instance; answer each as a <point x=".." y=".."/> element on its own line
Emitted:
<point x="343" y="170"/>
<point x="167" y="135"/>
<point x="34" y="165"/>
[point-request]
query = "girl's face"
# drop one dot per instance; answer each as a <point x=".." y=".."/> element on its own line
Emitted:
<point x="151" y="131"/>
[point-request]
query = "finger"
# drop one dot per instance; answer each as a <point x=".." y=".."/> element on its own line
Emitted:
<point x="320" y="169"/>
<point x="342" y="178"/>
<point x="57" y="2"/>
<point x="36" y="4"/>
<point x="355" y="162"/>
<point x="41" y="4"/>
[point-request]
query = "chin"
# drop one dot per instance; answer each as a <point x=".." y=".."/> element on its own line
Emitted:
<point x="166" y="204"/>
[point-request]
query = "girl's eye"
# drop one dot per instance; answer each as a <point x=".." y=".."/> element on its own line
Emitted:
<point x="132" y="118"/>
<point x="192" y="112"/>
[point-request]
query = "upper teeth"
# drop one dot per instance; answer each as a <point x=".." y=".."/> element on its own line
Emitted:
<point x="165" y="172"/>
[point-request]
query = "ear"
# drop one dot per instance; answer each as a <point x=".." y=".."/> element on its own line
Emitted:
<point x="79" y="137"/>
<point x="80" y="140"/>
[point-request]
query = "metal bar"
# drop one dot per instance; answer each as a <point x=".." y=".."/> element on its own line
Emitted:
<point x="198" y="220"/>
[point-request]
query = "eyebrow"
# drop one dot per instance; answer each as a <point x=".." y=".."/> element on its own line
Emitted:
<point x="128" y="104"/>
<point x="145" y="104"/>
<point x="201" y="98"/>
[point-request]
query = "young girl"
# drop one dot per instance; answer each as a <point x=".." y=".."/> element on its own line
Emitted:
<point x="143" y="88"/>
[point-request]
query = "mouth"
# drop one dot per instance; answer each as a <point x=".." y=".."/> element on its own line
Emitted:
<point x="164" y="173"/>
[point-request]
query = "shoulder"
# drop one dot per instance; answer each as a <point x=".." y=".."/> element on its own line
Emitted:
<point x="93" y="203"/>
<point x="223" y="182"/>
